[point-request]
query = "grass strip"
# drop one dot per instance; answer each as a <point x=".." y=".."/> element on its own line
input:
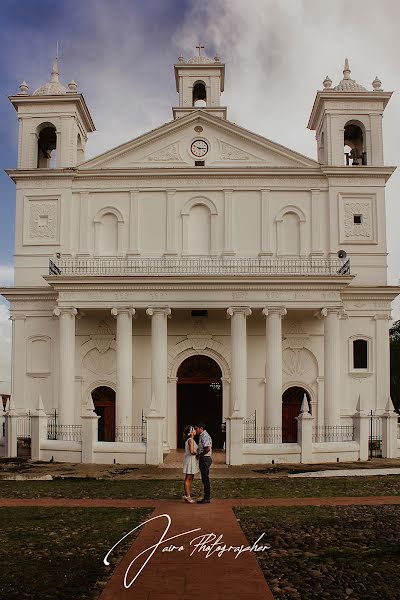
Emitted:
<point x="49" y="553"/>
<point x="384" y="485"/>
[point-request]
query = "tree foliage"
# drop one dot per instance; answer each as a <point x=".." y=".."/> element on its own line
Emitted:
<point x="395" y="365"/>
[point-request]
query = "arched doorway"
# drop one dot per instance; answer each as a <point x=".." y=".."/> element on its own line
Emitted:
<point x="199" y="397"/>
<point x="291" y="405"/>
<point x="104" y="406"/>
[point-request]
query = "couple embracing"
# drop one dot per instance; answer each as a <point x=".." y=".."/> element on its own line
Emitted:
<point x="197" y="458"/>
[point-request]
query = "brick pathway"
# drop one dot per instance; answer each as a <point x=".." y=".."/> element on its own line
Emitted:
<point x="177" y="575"/>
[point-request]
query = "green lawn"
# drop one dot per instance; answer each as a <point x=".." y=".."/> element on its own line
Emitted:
<point x="339" y="552"/>
<point x="386" y="485"/>
<point x="48" y="553"/>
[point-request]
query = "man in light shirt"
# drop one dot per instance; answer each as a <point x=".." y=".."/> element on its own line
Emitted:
<point x="204" y="455"/>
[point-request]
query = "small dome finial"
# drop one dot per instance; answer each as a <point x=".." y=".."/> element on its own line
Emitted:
<point x="24" y="87"/>
<point x="327" y="83"/>
<point x="376" y="84"/>
<point x="72" y="87"/>
<point x="346" y="70"/>
<point x="181" y="59"/>
<point x="217" y="58"/>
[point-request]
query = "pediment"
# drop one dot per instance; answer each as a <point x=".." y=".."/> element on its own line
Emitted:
<point x="228" y="146"/>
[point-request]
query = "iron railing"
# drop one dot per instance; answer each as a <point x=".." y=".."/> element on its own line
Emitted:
<point x="24" y="427"/>
<point x="132" y="433"/>
<point x="375" y="436"/>
<point x="255" y="434"/>
<point x="333" y="433"/>
<point x="66" y="433"/>
<point x="114" y="266"/>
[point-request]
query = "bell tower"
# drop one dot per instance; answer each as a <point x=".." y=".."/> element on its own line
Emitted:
<point x="347" y="120"/>
<point x="54" y="123"/>
<point x="199" y="83"/>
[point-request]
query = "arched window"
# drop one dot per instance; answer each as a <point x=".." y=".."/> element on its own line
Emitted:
<point x="199" y="94"/>
<point x="291" y="234"/>
<point x="354" y="144"/>
<point x="360" y="354"/>
<point x="108" y="232"/>
<point x="109" y="235"/>
<point x="47" y="146"/>
<point x="199" y="230"/>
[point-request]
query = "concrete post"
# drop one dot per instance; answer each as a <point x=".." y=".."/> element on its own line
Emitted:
<point x="304" y="432"/>
<point x="389" y="431"/>
<point x="38" y="430"/>
<point x="89" y="432"/>
<point x="234" y="440"/>
<point x="361" y="430"/>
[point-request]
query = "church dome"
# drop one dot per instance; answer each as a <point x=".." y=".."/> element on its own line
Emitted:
<point x="53" y="87"/>
<point x="347" y="84"/>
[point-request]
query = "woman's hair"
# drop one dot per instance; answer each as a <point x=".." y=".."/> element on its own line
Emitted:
<point x="186" y="432"/>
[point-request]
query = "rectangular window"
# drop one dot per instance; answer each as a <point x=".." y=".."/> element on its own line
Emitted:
<point x="199" y="163"/>
<point x="360" y="354"/>
<point x="358" y="219"/>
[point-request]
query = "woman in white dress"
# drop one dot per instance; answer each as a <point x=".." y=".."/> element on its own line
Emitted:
<point x="190" y="462"/>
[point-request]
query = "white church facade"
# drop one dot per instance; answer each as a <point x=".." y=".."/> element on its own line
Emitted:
<point x="200" y="272"/>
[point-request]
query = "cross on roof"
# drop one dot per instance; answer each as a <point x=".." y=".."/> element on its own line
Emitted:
<point x="200" y="47"/>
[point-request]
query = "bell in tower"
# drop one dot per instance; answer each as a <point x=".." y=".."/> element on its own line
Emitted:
<point x="199" y="83"/>
<point x="347" y="120"/>
<point x="54" y="123"/>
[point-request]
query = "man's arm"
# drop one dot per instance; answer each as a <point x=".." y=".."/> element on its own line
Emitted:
<point x="204" y="451"/>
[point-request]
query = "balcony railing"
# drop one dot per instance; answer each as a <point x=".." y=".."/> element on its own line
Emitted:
<point x="139" y="267"/>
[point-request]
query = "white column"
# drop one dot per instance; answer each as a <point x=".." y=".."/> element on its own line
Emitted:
<point x="315" y="223"/>
<point x="265" y="224"/>
<point x="159" y="357"/>
<point x="228" y="223"/>
<point x="382" y="354"/>
<point x="170" y="225"/>
<point x="332" y="375"/>
<point x="133" y="223"/>
<point x="238" y="316"/>
<point x="18" y="363"/>
<point x="66" y="397"/>
<point x="273" y="365"/>
<point x="83" y="223"/>
<point x="123" y="408"/>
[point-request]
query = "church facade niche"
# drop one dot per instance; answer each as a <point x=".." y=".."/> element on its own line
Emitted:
<point x="354" y="143"/>
<point x="199" y="94"/>
<point x="46" y="146"/>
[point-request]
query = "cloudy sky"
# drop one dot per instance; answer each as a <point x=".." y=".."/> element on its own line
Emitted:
<point x="121" y="52"/>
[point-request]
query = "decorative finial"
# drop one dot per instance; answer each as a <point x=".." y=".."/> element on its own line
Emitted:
<point x="24" y="87"/>
<point x="327" y="83"/>
<point x="54" y="72"/>
<point x="217" y="58"/>
<point x="200" y="47"/>
<point x="346" y="70"/>
<point x="72" y="87"/>
<point x="376" y="84"/>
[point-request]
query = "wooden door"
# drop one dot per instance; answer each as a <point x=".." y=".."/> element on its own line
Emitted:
<point x="104" y="404"/>
<point x="291" y="405"/>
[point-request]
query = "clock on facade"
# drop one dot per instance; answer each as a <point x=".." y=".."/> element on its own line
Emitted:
<point x="199" y="148"/>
